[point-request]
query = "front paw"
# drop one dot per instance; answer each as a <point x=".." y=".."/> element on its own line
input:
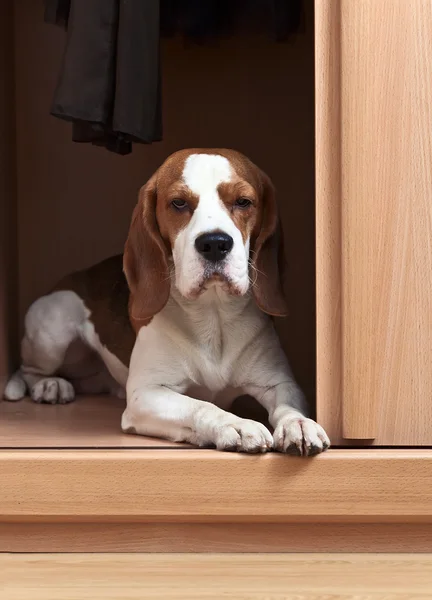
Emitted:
<point x="300" y="436"/>
<point x="244" y="435"/>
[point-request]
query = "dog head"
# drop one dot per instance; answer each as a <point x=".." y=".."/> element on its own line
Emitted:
<point x="206" y="218"/>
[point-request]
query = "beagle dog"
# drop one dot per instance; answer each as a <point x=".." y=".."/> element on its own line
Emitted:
<point x="183" y="321"/>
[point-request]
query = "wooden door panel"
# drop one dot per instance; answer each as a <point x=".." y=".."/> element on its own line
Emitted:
<point x="374" y="220"/>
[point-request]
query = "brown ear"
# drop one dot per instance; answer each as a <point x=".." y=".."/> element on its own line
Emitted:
<point x="145" y="258"/>
<point x="268" y="256"/>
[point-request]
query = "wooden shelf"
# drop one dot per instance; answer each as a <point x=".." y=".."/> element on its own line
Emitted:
<point x="70" y="480"/>
<point x="180" y="485"/>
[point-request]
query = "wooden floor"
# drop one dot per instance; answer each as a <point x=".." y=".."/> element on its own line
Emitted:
<point x="198" y="577"/>
<point x="88" y="422"/>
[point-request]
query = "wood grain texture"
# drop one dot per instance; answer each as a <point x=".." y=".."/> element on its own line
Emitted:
<point x="208" y="486"/>
<point x="195" y="576"/>
<point x="386" y="50"/>
<point x="89" y="422"/>
<point x="215" y="537"/>
<point x="328" y="207"/>
<point x="374" y="104"/>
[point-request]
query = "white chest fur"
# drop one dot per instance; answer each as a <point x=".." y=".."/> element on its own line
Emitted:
<point x="200" y="345"/>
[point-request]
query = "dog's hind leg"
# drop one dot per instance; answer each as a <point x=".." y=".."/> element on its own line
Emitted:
<point x="52" y="323"/>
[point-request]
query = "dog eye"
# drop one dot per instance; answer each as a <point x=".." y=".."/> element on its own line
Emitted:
<point x="179" y="204"/>
<point x="243" y="202"/>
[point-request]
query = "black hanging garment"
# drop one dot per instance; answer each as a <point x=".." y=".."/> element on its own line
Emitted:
<point x="109" y="85"/>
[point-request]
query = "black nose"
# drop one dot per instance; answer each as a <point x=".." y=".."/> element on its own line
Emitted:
<point x="214" y="246"/>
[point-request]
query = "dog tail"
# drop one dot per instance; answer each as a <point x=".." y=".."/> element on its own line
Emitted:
<point x="16" y="387"/>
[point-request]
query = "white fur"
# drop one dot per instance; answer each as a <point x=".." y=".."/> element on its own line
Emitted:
<point x="220" y="347"/>
<point x="52" y="324"/>
<point x="193" y="359"/>
<point x="16" y="387"/>
<point x="202" y="174"/>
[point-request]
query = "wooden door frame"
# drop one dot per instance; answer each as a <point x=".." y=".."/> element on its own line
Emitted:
<point x="328" y="216"/>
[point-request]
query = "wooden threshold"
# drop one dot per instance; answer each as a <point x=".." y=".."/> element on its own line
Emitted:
<point x="71" y="481"/>
<point x="192" y="576"/>
<point x="210" y="486"/>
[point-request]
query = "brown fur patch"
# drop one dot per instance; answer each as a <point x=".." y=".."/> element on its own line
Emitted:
<point x="104" y="291"/>
<point x="244" y="218"/>
<point x="172" y="220"/>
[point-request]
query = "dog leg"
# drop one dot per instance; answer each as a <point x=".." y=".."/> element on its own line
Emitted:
<point x="294" y="433"/>
<point x="51" y="324"/>
<point x="158" y="411"/>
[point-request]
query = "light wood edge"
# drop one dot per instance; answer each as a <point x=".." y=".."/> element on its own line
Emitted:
<point x="328" y="216"/>
<point x="220" y="537"/>
<point x="209" y="486"/>
<point x="339" y="410"/>
<point x="359" y="410"/>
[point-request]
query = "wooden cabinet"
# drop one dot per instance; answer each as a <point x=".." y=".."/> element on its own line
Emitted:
<point x="69" y="479"/>
<point x="374" y="220"/>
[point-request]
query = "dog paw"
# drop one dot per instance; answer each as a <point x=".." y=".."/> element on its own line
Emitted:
<point x="15" y="388"/>
<point x="52" y="390"/>
<point x="300" y="436"/>
<point x="244" y="435"/>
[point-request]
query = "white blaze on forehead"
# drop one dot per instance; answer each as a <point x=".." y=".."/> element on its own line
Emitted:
<point x="203" y="173"/>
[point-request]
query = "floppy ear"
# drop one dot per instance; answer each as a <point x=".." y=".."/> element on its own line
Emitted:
<point x="145" y="258"/>
<point x="269" y="257"/>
